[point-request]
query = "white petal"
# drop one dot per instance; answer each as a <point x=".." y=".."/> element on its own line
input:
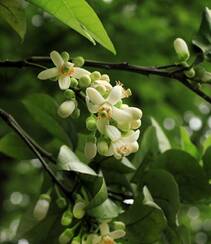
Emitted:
<point x="121" y="115"/>
<point x="134" y="147"/>
<point x="101" y="124"/>
<point x="57" y="59"/>
<point x="48" y="74"/>
<point x="136" y="112"/>
<point x="91" y="107"/>
<point x="113" y="133"/>
<point x="132" y="137"/>
<point x="117" y="234"/>
<point x="94" y="96"/>
<point x="136" y="124"/>
<point x="104" y="229"/>
<point x="66" y="109"/>
<point x="110" y="151"/>
<point x="115" y="95"/>
<point x="64" y="82"/>
<point x="79" y="72"/>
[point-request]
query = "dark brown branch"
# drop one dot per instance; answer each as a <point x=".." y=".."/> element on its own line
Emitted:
<point x="169" y="71"/>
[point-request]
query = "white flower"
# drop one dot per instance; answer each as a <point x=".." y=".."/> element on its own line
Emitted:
<point x="63" y="71"/>
<point x="104" y="107"/>
<point x="102" y="85"/>
<point x="122" y="146"/>
<point x="106" y="236"/>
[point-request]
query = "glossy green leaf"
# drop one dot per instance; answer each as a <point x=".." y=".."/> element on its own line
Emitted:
<point x="78" y="15"/>
<point x="203" y="38"/>
<point x="13" y="146"/>
<point x="13" y="13"/>
<point x="107" y="210"/>
<point x="44" y="111"/>
<point x="164" y="191"/>
<point x="144" y="223"/>
<point x="190" y="176"/>
<point x="187" y="145"/>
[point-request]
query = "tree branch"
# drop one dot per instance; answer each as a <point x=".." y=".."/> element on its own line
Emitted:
<point x="169" y="71"/>
<point x="34" y="147"/>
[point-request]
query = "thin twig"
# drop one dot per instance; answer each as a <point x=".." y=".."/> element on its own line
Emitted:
<point x="162" y="71"/>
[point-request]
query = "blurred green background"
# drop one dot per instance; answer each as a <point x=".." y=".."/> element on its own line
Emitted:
<point x="143" y="33"/>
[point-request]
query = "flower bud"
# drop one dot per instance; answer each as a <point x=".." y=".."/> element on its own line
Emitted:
<point x="190" y="73"/>
<point x="181" y="49"/>
<point x="66" y="236"/>
<point x="95" y="75"/>
<point x="102" y="89"/>
<point x="79" y="209"/>
<point x="105" y="77"/>
<point x="76" y="240"/>
<point x="65" y="55"/>
<point x="41" y="207"/>
<point x="135" y="124"/>
<point x="119" y="225"/>
<point x="78" y="61"/>
<point x="136" y="113"/>
<point x="61" y="202"/>
<point x="66" y="109"/>
<point x="69" y="94"/>
<point x="91" y="123"/>
<point x="124" y="127"/>
<point x="84" y="81"/>
<point x="76" y="113"/>
<point x="73" y="82"/>
<point x="67" y="218"/>
<point x="102" y="147"/>
<point x="90" y="150"/>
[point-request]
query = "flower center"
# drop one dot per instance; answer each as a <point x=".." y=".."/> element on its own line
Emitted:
<point x="67" y="69"/>
<point x="107" y="240"/>
<point x="105" y="111"/>
<point x="123" y="150"/>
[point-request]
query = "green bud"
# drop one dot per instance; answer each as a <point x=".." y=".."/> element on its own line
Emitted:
<point x="91" y="138"/>
<point x="102" y="90"/>
<point x="119" y="104"/>
<point x="124" y="127"/>
<point x="69" y="94"/>
<point x="118" y="225"/>
<point x="181" y="49"/>
<point x="76" y="113"/>
<point x="65" y="55"/>
<point x="190" y="73"/>
<point x="73" y="82"/>
<point x="91" y="123"/>
<point x="95" y="75"/>
<point x="79" y="210"/>
<point x="84" y="81"/>
<point x="66" y="236"/>
<point x="102" y="147"/>
<point x="67" y="218"/>
<point x="105" y="77"/>
<point x="78" y="61"/>
<point x="76" y="240"/>
<point x="61" y="202"/>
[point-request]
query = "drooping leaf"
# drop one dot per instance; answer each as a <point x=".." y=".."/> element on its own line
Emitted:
<point x="190" y="176"/>
<point x="44" y="110"/>
<point x="78" y="15"/>
<point x="164" y="191"/>
<point x="203" y="37"/>
<point x="187" y="145"/>
<point x="12" y="146"/>
<point x="107" y="210"/>
<point x="13" y="13"/>
<point x="144" y="223"/>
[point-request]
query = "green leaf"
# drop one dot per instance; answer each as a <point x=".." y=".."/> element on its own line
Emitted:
<point x="44" y="110"/>
<point x="123" y="166"/>
<point x="164" y="191"/>
<point x="14" y="14"/>
<point x="203" y="37"/>
<point x="144" y="223"/>
<point x="78" y="15"/>
<point x="107" y="210"/>
<point x="12" y="146"/>
<point x="207" y="162"/>
<point x="67" y="160"/>
<point x="187" y="145"/>
<point x="190" y="176"/>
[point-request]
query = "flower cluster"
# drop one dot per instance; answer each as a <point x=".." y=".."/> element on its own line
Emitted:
<point x="113" y="125"/>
